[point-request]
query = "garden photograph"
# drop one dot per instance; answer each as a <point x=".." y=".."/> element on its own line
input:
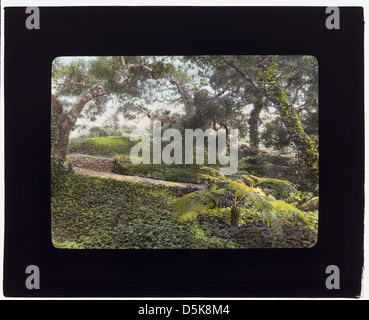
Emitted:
<point x="184" y="152"/>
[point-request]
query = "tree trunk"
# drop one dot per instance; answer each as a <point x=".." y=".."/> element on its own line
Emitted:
<point x="67" y="120"/>
<point x="305" y="145"/>
<point x="271" y="90"/>
<point x="227" y="129"/>
<point x="235" y="216"/>
<point x="254" y="125"/>
<point x="60" y="148"/>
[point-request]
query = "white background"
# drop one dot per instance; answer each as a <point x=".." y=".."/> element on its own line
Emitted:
<point x="40" y="3"/>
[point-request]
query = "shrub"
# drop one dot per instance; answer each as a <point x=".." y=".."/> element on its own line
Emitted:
<point x="60" y="175"/>
<point x="275" y="135"/>
<point x="280" y="189"/>
<point x="98" y="132"/>
<point x="54" y="128"/>
<point x="102" y="146"/>
<point x="174" y="172"/>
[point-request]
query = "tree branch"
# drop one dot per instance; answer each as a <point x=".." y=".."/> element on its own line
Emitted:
<point x="227" y="88"/>
<point x="167" y="100"/>
<point x="89" y="95"/>
<point x="58" y="108"/>
<point x="143" y="66"/>
<point x="128" y="66"/>
<point x="178" y="84"/>
<point x="71" y="84"/>
<point x="301" y="67"/>
<point x="302" y="106"/>
<point x="148" y="114"/>
<point x="249" y="79"/>
<point x="295" y="96"/>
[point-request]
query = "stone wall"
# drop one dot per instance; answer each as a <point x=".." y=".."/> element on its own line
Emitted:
<point x="91" y="162"/>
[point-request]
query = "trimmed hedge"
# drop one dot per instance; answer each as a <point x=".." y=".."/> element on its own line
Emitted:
<point x="174" y="172"/>
<point x="102" y="146"/>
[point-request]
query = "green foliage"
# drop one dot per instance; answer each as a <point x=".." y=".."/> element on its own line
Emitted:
<point x="304" y="178"/>
<point x="311" y="204"/>
<point x="102" y="146"/>
<point x="189" y="206"/>
<point x="209" y="111"/>
<point x="271" y="164"/>
<point x="120" y="147"/>
<point x="281" y="167"/>
<point x="239" y="202"/>
<point x="253" y="122"/>
<point x="54" y="128"/>
<point x="105" y="131"/>
<point x="275" y="135"/>
<point x="174" y="172"/>
<point x="98" y="132"/>
<point x="304" y="144"/>
<point x="60" y="175"/>
<point x="94" y="213"/>
<point x="299" y="197"/>
<point x="280" y="189"/>
<point x="89" y="210"/>
<point x="310" y="121"/>
<point x="163" y="232"/>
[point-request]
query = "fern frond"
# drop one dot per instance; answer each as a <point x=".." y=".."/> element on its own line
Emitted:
<point x="189" y="206"/>
<point x="243" y="189"/>
<point x="188" y="216"/>
<point x="273" y="220"/>
<point x="282" y="206"/>
<point x="273" y="212"/>
<point x="282" y="188"/>
<point x="258" y="180"/>
<point x="250" y="180"/>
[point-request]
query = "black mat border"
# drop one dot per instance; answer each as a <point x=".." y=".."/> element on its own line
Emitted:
<point x="179" y="31"/>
